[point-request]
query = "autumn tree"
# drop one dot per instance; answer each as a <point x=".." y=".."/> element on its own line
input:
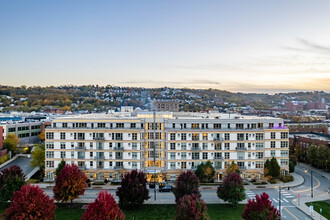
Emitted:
<point x="191" y="207"/>
<point x="60" y="167"/>
<point x="133" y="190"/>
<point x="11" y="180"/>
<point x="205" y="172"/>
<point x="30" y="202"/>
<point x="260" y="208"/>
<point x="38" y="156"/>
<point x="11" y="142"/>
<point x="187" y="184"/>
<point x="232" y="189"/>
<point x="42" y="136"/>
<point x="104" y="207"/>
<point x="233" y="167"/>
<point x="70" y="183"/>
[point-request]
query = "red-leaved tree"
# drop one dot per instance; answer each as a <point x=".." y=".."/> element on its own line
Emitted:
<point x="70" y="183"/>
<point x="133" y="190"/>
<point x="232" y="189"/>
<point x="11" y="180"/>
<point x="260" y="208"/>
<point x="187" y="184"/>
<point x="30" y="202"/>
<point x="190" y="207"/>
<point x="104" y="207"/>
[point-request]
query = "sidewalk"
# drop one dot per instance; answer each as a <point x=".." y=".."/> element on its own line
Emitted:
<point x="304" y="208"/>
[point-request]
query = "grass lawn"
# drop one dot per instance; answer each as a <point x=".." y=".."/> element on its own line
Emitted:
<point x="153" y="212"/>
<point x="325" y="206"/>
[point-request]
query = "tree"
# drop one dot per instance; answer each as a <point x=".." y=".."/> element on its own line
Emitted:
<point x="30" y="202"/>
<point x="205" y="172"/>
<point x="187" y="184"/>
<point x="11" y="142"/>
<point x="311" y="154"/>
<point x="233" y="167"/>
<point x="42" y="136"/>
<point x="60" y="167"/>
<point x="298" y="152"/>
<point x="291" y="166"/>
<point x="267" y="169"/>
<point x="133" y="190"/>
<point x="70" y="183"/>
<point x="11" y="180"/>
<point x="104" y="207"/>
<point x="260" y="208"/>
<point x="322" y="156"/>
<point x="190" y="207"/>
<point x="275" y="168"/>
<point x="38" y="156"/>
<point x="232" y="189"/>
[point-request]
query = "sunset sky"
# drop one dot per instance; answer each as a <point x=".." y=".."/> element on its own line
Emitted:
<point x="247" y="46"/>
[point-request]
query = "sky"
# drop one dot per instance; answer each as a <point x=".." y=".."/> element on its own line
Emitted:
<point x="241" y="45"/>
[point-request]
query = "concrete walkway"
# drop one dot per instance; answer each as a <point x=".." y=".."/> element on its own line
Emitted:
<point x="303" y="207"/>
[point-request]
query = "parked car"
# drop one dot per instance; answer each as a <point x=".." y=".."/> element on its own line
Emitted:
<point x="166" y="188"/>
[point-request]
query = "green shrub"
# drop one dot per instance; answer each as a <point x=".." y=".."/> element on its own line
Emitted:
<point x="32" y="181"/>
<point x="286" y="178"/>
<point x="4" y="159"/>
<point x="272" y="181"/>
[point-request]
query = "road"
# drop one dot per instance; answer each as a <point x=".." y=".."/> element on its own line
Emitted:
<point x="289" y="211"/>
<point x="23" y="163"/>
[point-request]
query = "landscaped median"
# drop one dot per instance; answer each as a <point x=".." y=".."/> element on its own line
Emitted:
<point x="321" y="205"/>
<point x="165" y="211"/>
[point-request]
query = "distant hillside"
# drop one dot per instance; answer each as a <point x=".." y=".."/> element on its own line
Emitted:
<point x="101" y="98"/>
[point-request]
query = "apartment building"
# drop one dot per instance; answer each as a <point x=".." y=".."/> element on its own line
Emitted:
<point x="163" y="144"/>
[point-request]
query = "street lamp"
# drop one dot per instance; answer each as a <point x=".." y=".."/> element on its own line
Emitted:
<point x="279" y="199"/>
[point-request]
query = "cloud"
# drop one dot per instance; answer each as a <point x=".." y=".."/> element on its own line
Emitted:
<point x="189" y="82"/>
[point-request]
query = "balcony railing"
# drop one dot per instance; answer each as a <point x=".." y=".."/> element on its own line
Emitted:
<point x="241" y="148"/>
<point x="82" y="167"/>
<point x="118" y="167"/>
<point x="100" y="167"/>
<point x="98" y="138"/>
<point x="242" y="167"/>
<point x="99" y="148"/>
<point x="81" y="157"/>
<point x="119" y="158"/>
<point x="99" y="157"/>
<point x="218" y="167"/>
<point x="195" y="148"/>
<point x="80" y="148"/>
<point x="218" y="158"/>
<point x="218" y="139"/>
<point x="118" y="148"/>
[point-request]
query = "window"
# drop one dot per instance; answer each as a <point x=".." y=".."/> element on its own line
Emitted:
<point x="101" y="125"/>
<point x="183" y="155"/>
<point x="284" y="135"/>
<point x="227" y="146"/>
<point x="172" y="165"/>
<point x="227" y="155"/>
<point x="134" y="136"/>
<point x="183" y="136"/>
<point x="134" y="165"/>
<point x="195" y="126"/>
<point x="218" y="155"/>
<point x="272" y="153"/>
<point x="62" y="136"/>
<point x="259" y="164"/>
<point x="49" y="145"/>
<point x="50" y="164"/>
<point x="134" y="146"/>
<point x="239" y="126"/>
<point x="62" y="154"/>
<point x="259" y="155"/>
<point x="183" y="146"/>
<point x="62" y="145"/>
<point x="49" y="154"/>
<point x="204" y="146"/>
<point x="133" y="125"/>
<point x="72" y="154"/>
<point x="50" y="135"/>
<point x="260" y="125"/>
<point x="172" y="156"/>
<point x="134" y="155"/>
<point x="227" y="136"/>
<point x="172" y="136"/>
<point x="284" y="144"/>
<point x="195" y="137"/>
<point x="259" y="146"/>
<point x="91" y="164"/>
<point x="65" y="125"/>
<point x="271" y="125"/>
<point x="217" y="126"/>
<point x="284" y="153"/>
<point x="218" y="146"/>
<point x="110" y="155"/>
<point x="91" y="154"/>
<point x="272" y="144"/>
<point x="205" y="156"/>
<point x="240" y="137"/>
<point x="172" y="146"/>
<point x="195" y="156"/>
<point x="195" y="146"/>
<point x="247" y="136"/>
<point x="205" y="136"/>
<point x="284" y="162"/>
<point x="173" y="125"/>
<point x="272" y="135"/>
<point x="119" y="125"/>
<point x="259" y="136"/>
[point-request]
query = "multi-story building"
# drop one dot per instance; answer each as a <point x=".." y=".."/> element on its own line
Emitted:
<point x="163" y="144"/>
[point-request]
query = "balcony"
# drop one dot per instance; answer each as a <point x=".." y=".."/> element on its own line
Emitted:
<point x="98" y="138"/>
<point x="99" y="158"/>
<point x="195" y="149"/>
<point x="218" y="158"/>
<point x="99" y="148"/>
<point x="118" y="148"/>
<point x="118" y="167"/>
<point x="119" y="158"/>
<point x="80" y="148"/>
<point x="218" y="167"/>
<point x="82" y="167"/>
<point x="242" y="168"/>
<point x="218" y="139"/>
<point x="241" y="148"/>
<point x="100" y="167"/>
<point x="81" y="157"/>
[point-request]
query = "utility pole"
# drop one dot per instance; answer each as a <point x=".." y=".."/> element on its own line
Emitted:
<point x="154" y="143"/>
